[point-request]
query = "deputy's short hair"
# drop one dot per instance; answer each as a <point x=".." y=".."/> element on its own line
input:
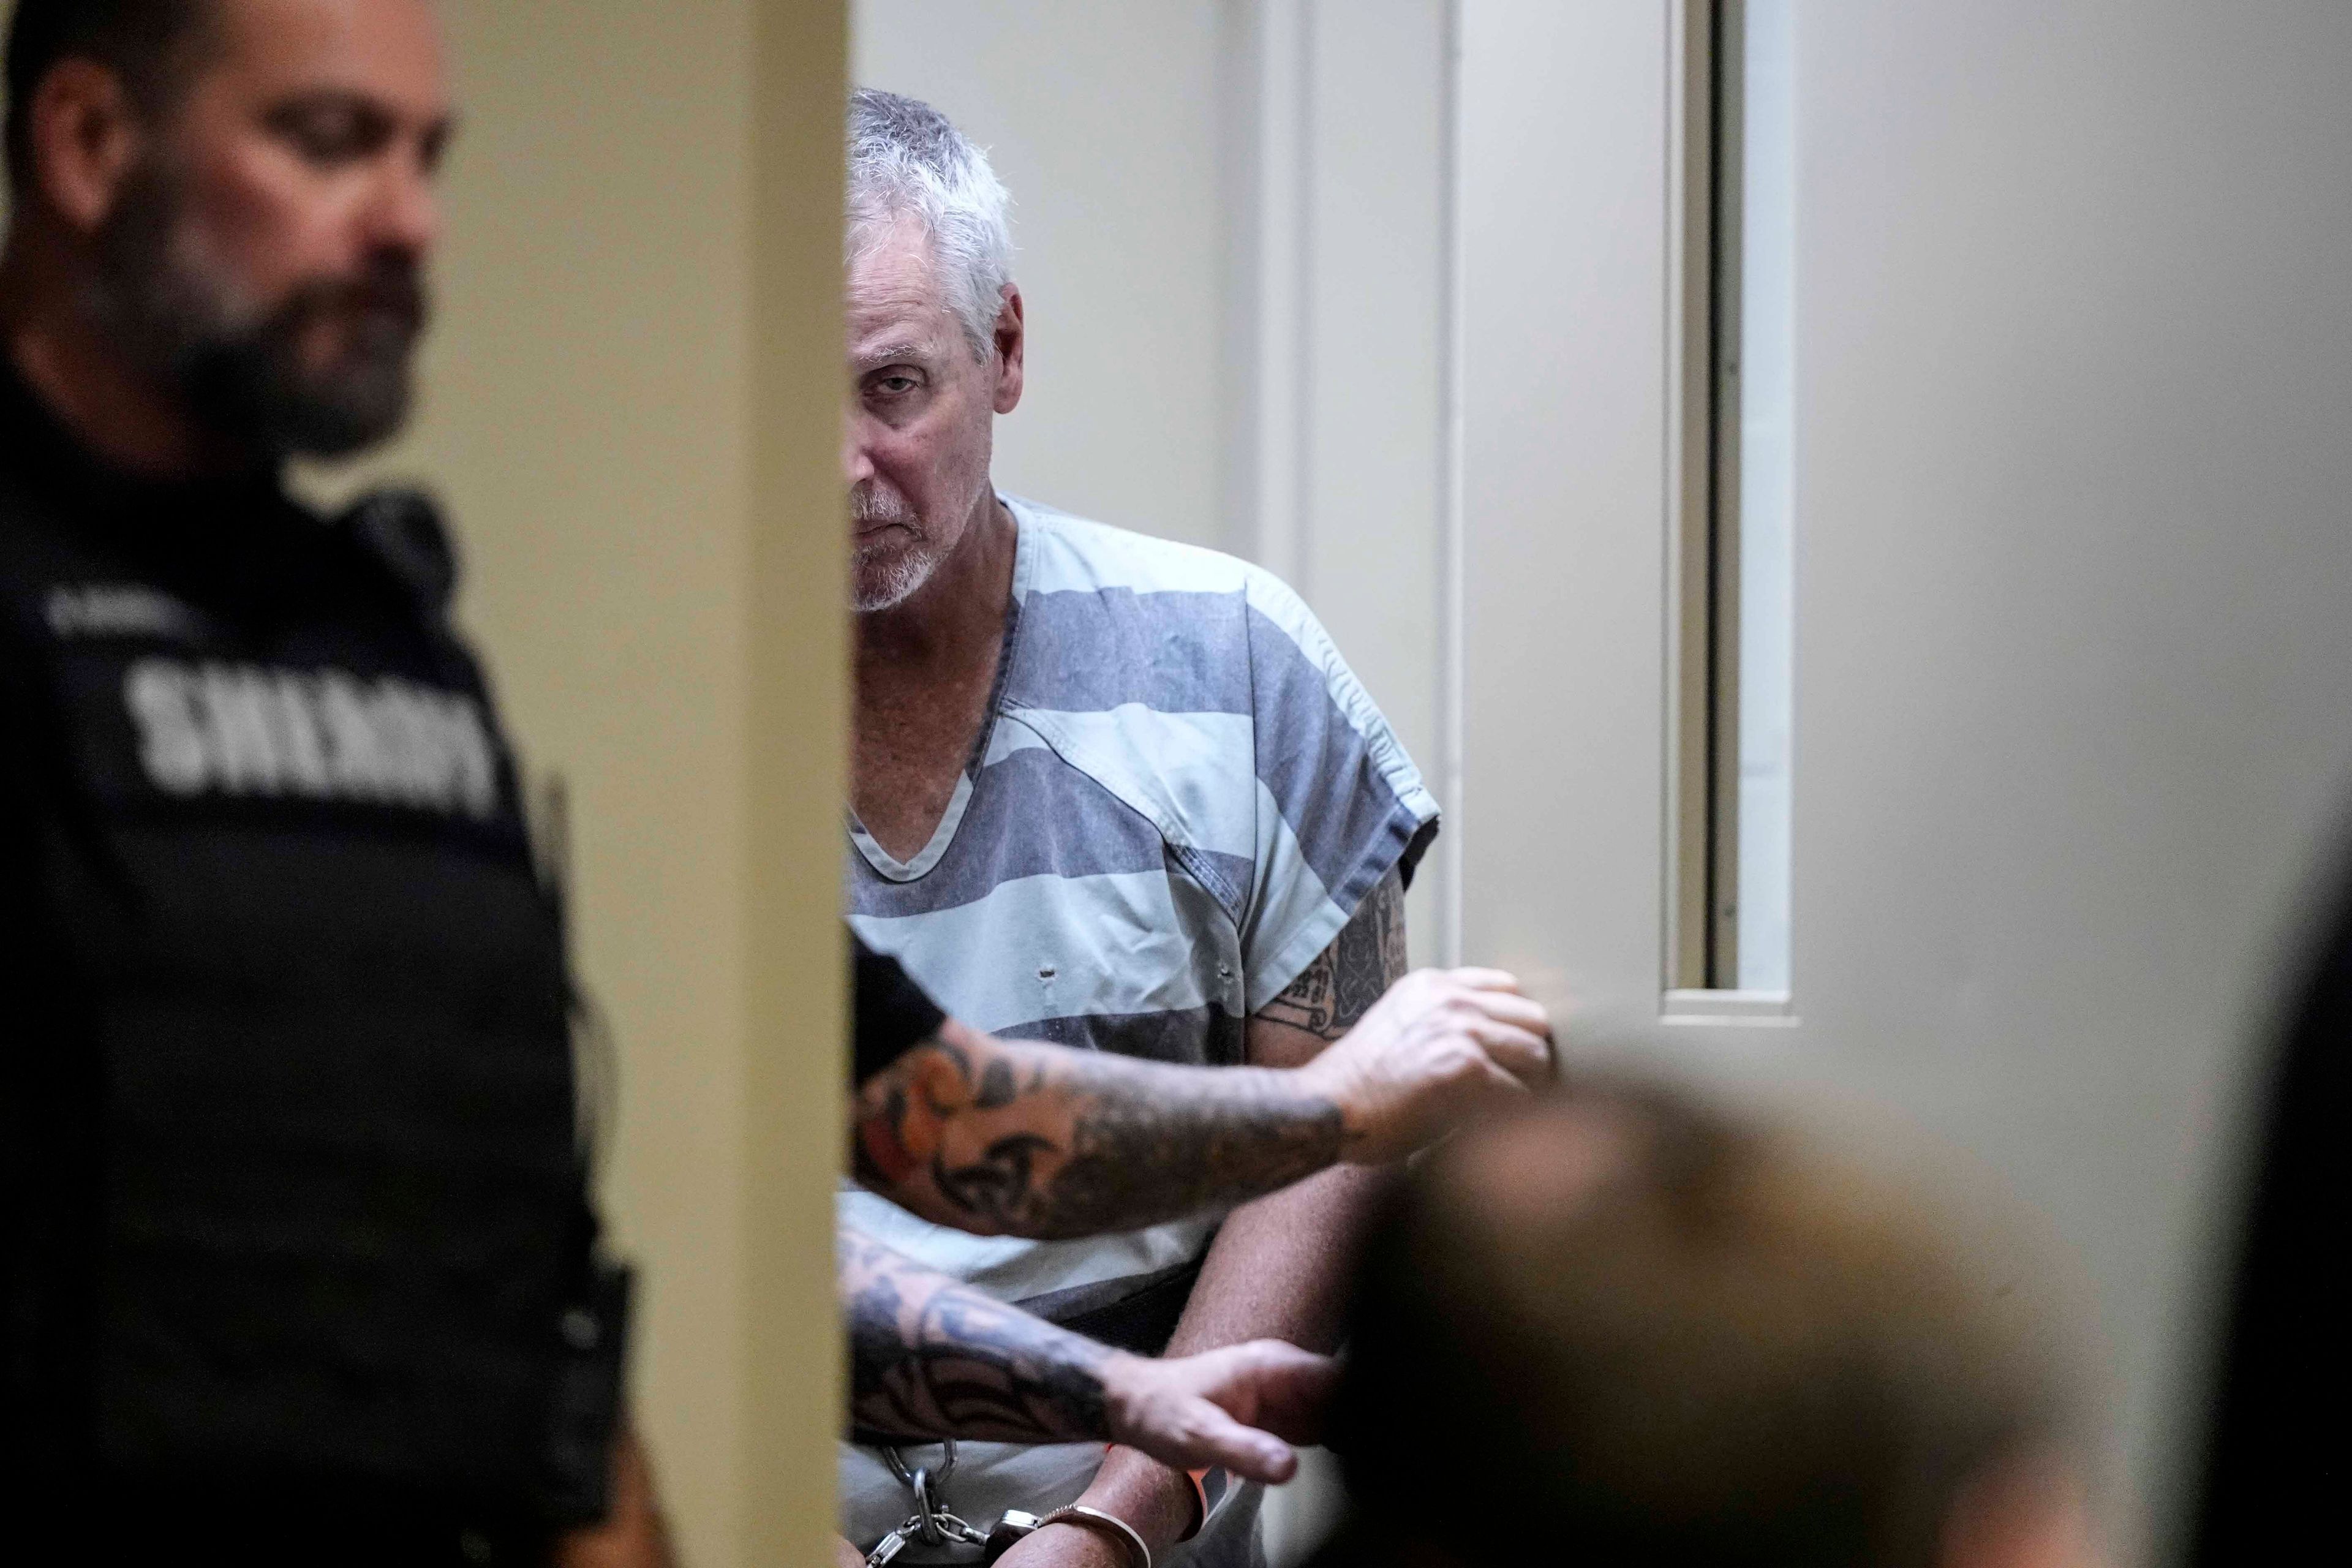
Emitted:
<point x="148" y="43"/>
<point x="1628" y="1326"/>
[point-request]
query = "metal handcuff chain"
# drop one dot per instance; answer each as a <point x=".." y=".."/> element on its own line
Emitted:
<point x="932" y="1524"/>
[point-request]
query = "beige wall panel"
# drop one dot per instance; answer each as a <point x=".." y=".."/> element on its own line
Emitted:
<point x="791" y="1113"/>
<point x="630" y="407"/>
<point x="582" y="420"/>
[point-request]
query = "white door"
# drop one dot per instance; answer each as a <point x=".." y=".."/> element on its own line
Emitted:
<point x="2072" y="471"/>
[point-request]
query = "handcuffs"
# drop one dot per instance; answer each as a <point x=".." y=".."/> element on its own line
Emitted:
<point x="933" y="1525"/>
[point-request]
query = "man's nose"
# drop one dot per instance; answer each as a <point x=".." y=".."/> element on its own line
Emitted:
<point x="406" y="213"/>
<point x="857" y="462"/>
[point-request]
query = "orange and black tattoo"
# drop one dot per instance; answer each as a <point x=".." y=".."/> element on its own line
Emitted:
<point x="1017" y="1138"/>
<point x="1013" y="1137"/>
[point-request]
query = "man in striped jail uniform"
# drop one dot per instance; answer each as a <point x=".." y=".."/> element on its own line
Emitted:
<point x="1112" y="792"/>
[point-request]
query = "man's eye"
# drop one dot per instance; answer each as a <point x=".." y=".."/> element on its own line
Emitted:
<point x="332" y="135"/>
<point x="895" y="385"/>
<point x="329" y="142"/>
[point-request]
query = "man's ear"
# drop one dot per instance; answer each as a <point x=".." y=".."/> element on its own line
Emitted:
<point x="83" y="136"/>
<point x="1012" y="350"/>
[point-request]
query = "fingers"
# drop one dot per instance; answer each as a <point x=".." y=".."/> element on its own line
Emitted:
<point x="1521" y="1037"/>
<point x="1208" y="1409"/>
<point x="1282" y="1388"/>
<point x="1525" y="1056"/>
<point x="1291" y="1388"/>
<point x="1514" y="1030"/>
<point x="1483" y="979"/>
<point x="1510" y="1008"/>
<point x="1491" y="991"/>
<point x="1187" y="1431"/>
<point x="1217" y="1439"/>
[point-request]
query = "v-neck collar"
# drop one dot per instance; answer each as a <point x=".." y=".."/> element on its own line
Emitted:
<point x="935" y="849"/>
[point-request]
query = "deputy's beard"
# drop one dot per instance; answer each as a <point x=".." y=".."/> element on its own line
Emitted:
<point x="888" y="572"/>
<point x="239" y="365"/>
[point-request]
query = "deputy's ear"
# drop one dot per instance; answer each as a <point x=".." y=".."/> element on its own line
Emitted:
<point x="1011" y="344"/>
<point x="83" y="135"/>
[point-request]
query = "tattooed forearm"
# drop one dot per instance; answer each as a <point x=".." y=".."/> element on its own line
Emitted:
<point x="1364" y="960"/>
<point x="932" y="1358"/>
<point x="1006" y="1136"/>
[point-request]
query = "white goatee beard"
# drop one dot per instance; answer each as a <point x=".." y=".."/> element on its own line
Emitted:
<point x="880" y="585"/>
<point x="882" y="575"/>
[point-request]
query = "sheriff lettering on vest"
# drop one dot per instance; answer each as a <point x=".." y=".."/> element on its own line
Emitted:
<point x="297" y="1261"/>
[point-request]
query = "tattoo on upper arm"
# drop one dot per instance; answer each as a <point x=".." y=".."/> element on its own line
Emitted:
<point x="1364" y="960"/>
<point x="931" y="1358"/>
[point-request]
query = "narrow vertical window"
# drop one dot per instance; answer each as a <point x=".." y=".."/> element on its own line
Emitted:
<point x="1735" y="695"/>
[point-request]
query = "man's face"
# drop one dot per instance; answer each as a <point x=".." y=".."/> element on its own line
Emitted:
<point x="917" y="444"/>
<point x="266" y="255"/>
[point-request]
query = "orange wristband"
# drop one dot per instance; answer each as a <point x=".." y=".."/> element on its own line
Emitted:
<point x="1200" y="1480"/>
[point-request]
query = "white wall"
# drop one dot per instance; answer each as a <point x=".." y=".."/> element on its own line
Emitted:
<point x="1366" y="541"/>
<point x="1103" y="121"/>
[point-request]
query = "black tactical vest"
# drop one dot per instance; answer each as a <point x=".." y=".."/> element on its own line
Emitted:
<point x="289" y="1162"/>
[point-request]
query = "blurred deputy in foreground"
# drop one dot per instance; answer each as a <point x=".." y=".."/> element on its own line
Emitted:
<point x="300" y="1261"/>
<point x="1624" y="1329"/>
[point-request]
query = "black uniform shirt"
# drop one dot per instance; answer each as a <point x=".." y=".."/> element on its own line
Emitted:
<point x="893" y="1013"/>
<point x="290" y="1194"/>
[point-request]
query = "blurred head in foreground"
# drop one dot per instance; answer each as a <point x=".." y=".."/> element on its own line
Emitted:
<point x="1624" y="1327"/>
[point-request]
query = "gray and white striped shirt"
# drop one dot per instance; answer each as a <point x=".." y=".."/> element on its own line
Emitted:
<point x="1180" y="795"/>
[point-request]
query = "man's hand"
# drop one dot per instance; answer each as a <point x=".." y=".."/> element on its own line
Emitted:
<point x="930" y="1357"/>
<point x="1233" y="1407"/>
<point x="1014" y="1137"/>
<point x="1440" y="1043"/>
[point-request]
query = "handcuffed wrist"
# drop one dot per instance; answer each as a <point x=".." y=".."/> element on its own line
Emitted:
<point x="1185" y="1492"/>
<point x="1105" y="1526"/>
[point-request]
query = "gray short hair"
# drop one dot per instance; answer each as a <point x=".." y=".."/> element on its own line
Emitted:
<point x="907" y="160"/>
